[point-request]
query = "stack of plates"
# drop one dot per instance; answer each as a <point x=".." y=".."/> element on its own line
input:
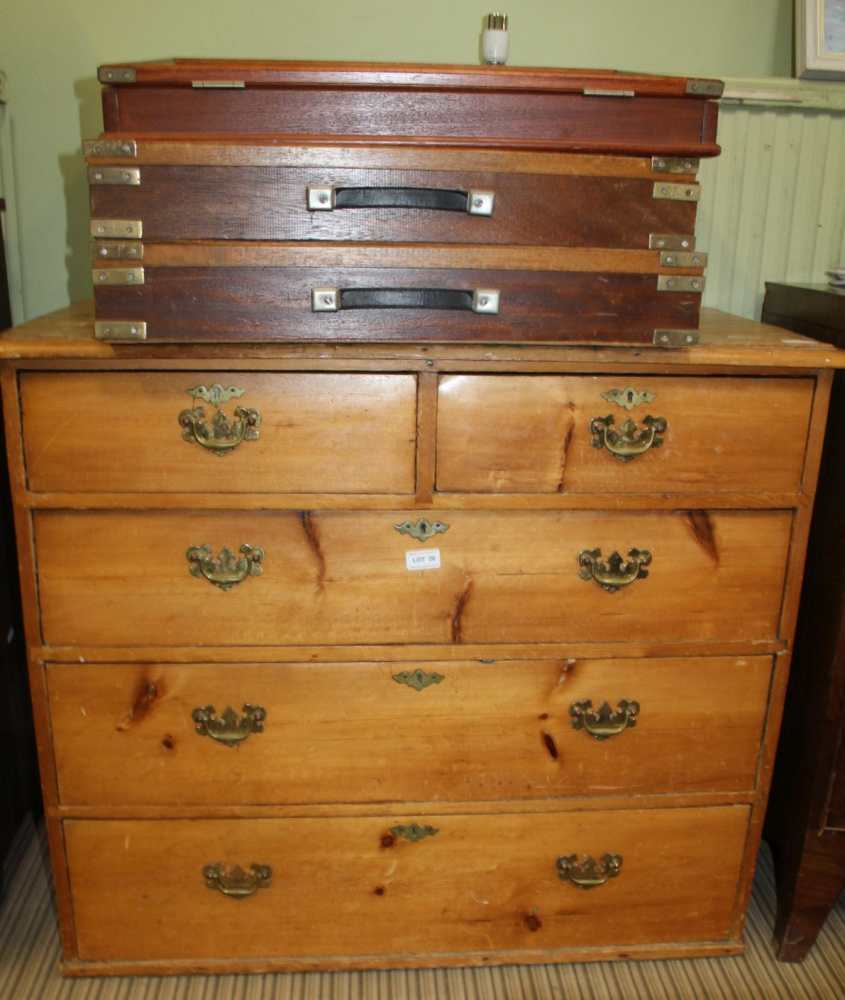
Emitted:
<point x="837" y="277"/>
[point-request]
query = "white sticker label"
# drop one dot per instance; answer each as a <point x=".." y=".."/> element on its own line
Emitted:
<point x="422" y="559"/>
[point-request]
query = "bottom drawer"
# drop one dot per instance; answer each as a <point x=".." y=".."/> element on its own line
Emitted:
<point x="410" y="886"/>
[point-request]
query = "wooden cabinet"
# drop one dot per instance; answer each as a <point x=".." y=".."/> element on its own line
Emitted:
<point x="396" y="662"/>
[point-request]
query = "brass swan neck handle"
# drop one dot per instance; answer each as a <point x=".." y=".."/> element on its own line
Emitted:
<point x="616" y="572"/>
<point x="227" y="729"/>
<point x="227" y="569"/>
<point x="588" y="873"/>
<point x="235" y="882"/>
<point x="604" y="722"/>
<point x="629" y="441"/>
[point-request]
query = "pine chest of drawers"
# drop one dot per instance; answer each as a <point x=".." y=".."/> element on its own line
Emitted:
<point x="394" y="655"/>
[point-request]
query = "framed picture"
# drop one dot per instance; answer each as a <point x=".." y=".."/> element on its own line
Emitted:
<point x="820" y="39"/>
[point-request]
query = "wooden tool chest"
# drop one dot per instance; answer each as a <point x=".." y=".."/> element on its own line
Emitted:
<point x="395" y="644"/>
<point x="302" y="202"/>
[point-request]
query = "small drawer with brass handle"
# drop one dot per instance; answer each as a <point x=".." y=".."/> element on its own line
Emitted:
<point x="235" y="882"/>
<point x="611" y="436"/>
<point x="588" y="873"/>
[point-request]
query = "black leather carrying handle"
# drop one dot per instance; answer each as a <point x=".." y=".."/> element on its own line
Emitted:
<point x="406" y="298"/>
<point x="401" y="197"/>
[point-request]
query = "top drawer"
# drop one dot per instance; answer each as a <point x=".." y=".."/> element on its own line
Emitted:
<point x="248" y="433"/>
<point x="583" y="434"/>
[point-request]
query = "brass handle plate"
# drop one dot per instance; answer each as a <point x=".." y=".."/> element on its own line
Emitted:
<point x="418" y="679"/>
<point x="235" y="882"/>
<point x="630" y="441"/>
<point x="604" y="722"/>
<point x="423" y="529"/>
<point x="220" y="434"/>
<point x="616" y="572"/>
<point x="588" y="873"/>
<point x="227" y="569"/>
<point x="228" y="729"/>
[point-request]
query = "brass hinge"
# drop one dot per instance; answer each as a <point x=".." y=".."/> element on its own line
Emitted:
<point x="118" y="250"/>
<point x="120" y="330"/>
<point x="218" y="84"/>
<point x="108" y="148"/>
<point x="115" y="175"/>
<point x="118" y="276"/>
<point x="589" y="92"/>
<point x="674" y="164"/>
<point x="116" y="74"/>
<point x="665" y="241"/>
<point x="129" y="229"/>
<point x="675" y="258"/>
<point x="705" y="88"/>
<point x="675" y="338"/>
<point x="679" y="283"/>
<point x="676" y="192"/>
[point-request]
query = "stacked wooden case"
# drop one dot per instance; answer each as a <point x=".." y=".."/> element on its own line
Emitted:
<point x="286" y="201"/>
<point x="365" y="654"/>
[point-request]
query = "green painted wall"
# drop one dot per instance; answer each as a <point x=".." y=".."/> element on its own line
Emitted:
<point x="50" y="49"/>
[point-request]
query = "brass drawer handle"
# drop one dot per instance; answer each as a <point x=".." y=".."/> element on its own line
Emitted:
<point x="604" y="722"/>
<point x="227" y="569"/>
<point x="629" y="441"/>
<point x="327" y="199"/>
<point x="589" y="873"/>
<point x="227" y="728"/>
<point x="615" y="573"/>
<point x="219" y="435"/>
<point x="235" y="882"/>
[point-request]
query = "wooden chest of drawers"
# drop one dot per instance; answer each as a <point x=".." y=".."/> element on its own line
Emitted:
<point x="395" y="655"/>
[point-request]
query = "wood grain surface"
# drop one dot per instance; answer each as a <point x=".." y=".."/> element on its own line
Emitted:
<point x="269" y="203"/>
<point x="124" y="735"/>
<point x="350" y="886"/>
<point x="123" y="578"/>
<point x="512" y="434"/>
<point x="251" y="303"/>
<point x="119" y="431"/>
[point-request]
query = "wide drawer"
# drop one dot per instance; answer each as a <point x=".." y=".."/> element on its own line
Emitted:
<point x="219" y="432"/>
<point x="581" y="434"/>
<point x="230" y="291"/>
<point x="459" y="731"/>
<point x="402" y="885"/>
<point x="581" y="201"/>
<point x="338" y="577"/>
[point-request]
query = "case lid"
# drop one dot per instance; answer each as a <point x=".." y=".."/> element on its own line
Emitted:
<point x="401" y="76"/>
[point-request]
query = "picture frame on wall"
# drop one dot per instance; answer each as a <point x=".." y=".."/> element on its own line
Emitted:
<point x="820" y="39"/>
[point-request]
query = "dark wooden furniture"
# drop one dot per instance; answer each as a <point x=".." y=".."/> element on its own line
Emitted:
<point x="18" y="773"/>
<point x="806" y="821"/>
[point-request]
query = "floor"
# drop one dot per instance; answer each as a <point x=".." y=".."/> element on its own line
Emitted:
<point x="29" y="953"/>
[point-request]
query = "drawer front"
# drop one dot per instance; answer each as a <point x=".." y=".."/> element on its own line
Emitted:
<point x="421" y="206"/>
<point x="515" y="576"/>
<point x="343" y="887"/>
<point x="146" y="735"/>
<point x="181" y="432"/>
<point x="538" y="434"/>
<point x="274" y="303"/>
